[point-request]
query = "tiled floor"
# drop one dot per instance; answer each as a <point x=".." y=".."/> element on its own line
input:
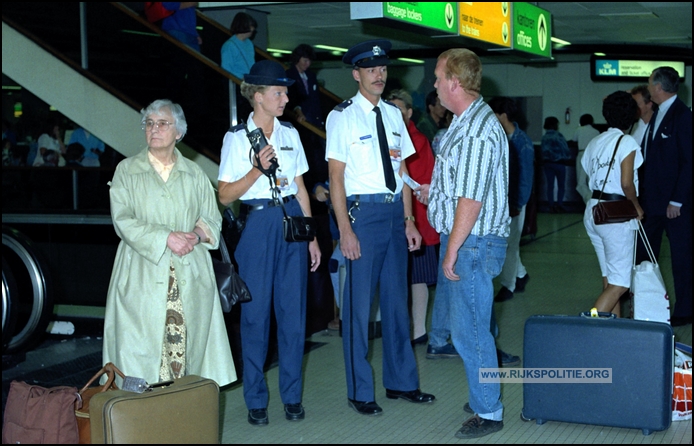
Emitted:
<point x="565" y="279"/>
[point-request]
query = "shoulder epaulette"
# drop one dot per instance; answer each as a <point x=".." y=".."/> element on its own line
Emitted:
<point x="343" y="106"/>
<point x="237" y="127"/>
<point x="287" y="124"/>
<point x="390" y="103"/>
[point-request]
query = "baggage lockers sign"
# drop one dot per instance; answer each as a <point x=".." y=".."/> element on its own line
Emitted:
<point x="486" y="21"/>
<point x="438" y="17"/>
<point x="532" y="29"/>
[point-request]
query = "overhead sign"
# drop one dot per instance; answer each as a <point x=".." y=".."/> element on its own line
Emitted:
<point x="486" y="21"/>
<point x="532" y="29"/>
<point x="437" y="15"/>
<point x="441" y="17"/>
<point x="613" y="68"/>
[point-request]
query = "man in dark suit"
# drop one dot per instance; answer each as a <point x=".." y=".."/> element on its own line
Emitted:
<point x="666" y="185"/>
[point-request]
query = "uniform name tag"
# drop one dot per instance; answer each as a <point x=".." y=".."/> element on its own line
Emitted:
<point x="287" y="148"/>
<point x="365" y="137"/>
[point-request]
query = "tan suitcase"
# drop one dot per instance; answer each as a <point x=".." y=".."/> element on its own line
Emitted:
<point x="186" y="411"/>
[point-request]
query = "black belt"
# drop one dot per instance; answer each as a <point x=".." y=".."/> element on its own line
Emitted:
<point x="257" y="205"/>
<point x="607" y="197"/>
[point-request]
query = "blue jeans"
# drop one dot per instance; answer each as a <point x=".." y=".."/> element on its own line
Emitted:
<point x="470" y="303"/>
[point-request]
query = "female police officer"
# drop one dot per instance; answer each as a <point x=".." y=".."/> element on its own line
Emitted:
<point x="274" y="270"/>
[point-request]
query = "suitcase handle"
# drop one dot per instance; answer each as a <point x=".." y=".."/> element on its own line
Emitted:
<point x="110" y="370"/>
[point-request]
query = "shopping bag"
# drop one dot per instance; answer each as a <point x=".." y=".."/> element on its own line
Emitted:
<point x="682" y="389"/>
<point x="40" y="415"/>
<point x="649" y="298"/>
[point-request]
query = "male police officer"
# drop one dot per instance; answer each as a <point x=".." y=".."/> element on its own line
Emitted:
<point x="367" y="142"/>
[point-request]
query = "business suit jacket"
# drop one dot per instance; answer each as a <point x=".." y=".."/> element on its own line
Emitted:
<point x="666" y="174"/>
<point x="309" y="101"/>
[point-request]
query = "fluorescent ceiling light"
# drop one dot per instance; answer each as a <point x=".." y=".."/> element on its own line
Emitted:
<point x="559" y="41"/>
<point x="275" y="50"/>
<point x="332" y="48"/>
<point x="405" y="59"/>
<point x="600" y="54"/>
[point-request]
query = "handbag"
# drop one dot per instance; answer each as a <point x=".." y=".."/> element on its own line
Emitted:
<point x="40" y="415"/>
<point x="619" y="211"/>
<point x="231" y="287"/>
<point x="130" y="383"/>
<point x="299" y="229"/>
<point x="682" y="385"/>
<point x="649" y="298"/>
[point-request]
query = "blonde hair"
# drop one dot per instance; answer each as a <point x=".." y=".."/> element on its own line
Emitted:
<point x="465" y="66"/>
<point x="248" y="91"/>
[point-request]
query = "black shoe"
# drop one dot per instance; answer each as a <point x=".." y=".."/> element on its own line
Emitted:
<point x="294" y="412"/>
<point x="423" y="339"/>
<point x="468" y="409"/>
<point x="365" y="407"/>
<point x="520" y="283"/>
<point x="447" y="351"/>
<point x="413" y="396"/>
<point x="258" y="417"/>
<point x="507" y="359"/>
<point x="475" y="427"/>
<point x="678" y="321"/>
<point x="503" y="295"/>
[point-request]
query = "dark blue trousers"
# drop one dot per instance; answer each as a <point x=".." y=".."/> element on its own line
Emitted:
<point x="383" y="265"/>
<point x="275" y="272"/>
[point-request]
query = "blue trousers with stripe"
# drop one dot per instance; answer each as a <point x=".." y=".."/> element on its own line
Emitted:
<point x="276" y="273"/>
<point x="383" y="266"/>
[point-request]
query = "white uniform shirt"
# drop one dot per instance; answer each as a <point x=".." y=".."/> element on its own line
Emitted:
<point x="235" y="161"/>
<point x="583" y="135"/>
<point x="352" y="138"/>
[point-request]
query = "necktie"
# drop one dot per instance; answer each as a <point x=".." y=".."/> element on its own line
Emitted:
<point x="648" y="139"/>
<point x="385" y="152"/>
<point x="305" y="79"/>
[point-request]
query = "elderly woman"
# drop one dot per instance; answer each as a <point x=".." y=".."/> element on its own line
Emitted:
<point x="276" y="271"/>
<point x="163" y="316"/>
<point x="614" y="243"/>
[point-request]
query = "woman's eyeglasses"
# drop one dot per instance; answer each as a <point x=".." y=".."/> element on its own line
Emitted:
<point x="149" y="125"/>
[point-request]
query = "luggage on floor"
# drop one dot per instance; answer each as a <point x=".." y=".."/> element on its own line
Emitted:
<point x="639" y="354"/>
<point x="183" y="411"/>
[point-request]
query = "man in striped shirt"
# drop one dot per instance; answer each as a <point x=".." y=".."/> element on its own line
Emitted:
<point x="468" y="206"/>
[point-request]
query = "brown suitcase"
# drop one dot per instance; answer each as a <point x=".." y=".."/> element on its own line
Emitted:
<point x="185" y="411"/>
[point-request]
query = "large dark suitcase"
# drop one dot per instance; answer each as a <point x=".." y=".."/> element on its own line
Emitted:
<point x="640" y="354"/>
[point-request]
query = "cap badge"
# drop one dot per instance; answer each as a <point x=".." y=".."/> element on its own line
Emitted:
<point x="377" y="51"/>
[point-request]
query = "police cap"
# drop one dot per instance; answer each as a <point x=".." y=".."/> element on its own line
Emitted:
<point x="372" y="53"/>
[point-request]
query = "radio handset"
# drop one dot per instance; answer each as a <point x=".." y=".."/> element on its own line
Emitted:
<point x="258" y="141"/>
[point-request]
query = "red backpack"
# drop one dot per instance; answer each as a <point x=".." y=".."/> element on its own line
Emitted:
<point x="155" y="11"/>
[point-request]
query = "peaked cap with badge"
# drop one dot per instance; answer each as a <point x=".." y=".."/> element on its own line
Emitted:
<point x="372" y="53"/>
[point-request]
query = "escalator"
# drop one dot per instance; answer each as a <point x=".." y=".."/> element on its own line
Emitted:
<point x="138" y="63"/>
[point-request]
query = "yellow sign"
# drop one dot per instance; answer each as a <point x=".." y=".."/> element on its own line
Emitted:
<point x="486" y="21"/>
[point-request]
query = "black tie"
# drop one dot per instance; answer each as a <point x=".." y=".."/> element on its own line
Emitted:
<point x="648" y="139"/>
<point x="385" y="152"/>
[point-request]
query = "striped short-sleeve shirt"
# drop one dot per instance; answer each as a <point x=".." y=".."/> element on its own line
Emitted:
<point x="472" y="163"/>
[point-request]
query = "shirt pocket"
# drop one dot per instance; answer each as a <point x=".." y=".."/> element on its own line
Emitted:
<point x="363" y="152"/>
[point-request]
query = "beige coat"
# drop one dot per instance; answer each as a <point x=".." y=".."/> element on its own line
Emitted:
<point x="145" y="210"/>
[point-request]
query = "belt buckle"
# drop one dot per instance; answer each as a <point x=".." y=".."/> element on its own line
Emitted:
<point x="389" y="198"/>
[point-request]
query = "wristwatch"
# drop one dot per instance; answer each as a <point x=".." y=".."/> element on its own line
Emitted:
<point x="409" y="217"/>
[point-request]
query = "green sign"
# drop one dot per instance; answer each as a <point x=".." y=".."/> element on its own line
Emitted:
<point x="532" y="29"/>
<point x="442" y="16"/>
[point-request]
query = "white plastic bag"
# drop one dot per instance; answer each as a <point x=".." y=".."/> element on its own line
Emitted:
<point x="649" y="298"/>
